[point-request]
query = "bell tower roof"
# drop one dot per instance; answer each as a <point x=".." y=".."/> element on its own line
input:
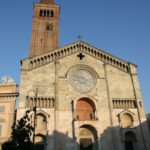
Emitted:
<point x="48" y="2"/>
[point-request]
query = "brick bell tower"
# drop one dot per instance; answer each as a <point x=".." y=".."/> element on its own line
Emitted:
<point x="45" y="28"/>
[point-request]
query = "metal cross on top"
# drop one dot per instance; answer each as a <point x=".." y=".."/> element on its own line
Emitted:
<point x="81" y="56"/>
<point x="79" y="37"/>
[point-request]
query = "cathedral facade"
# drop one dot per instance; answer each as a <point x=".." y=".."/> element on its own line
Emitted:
<point x="86" y="99"/>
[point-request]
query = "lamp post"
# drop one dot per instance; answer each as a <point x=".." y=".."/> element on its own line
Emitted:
<point x="35" y="109"/>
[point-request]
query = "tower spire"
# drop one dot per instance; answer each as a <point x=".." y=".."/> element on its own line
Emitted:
<point x="49" y="2"/>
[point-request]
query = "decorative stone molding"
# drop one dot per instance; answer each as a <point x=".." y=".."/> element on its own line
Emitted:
<point x="41" y="102"/>
<point x="124" y="103"/>
<point x="126" y="111"/>
<point x="77" y="47"/>
<point x="9" y="94"/>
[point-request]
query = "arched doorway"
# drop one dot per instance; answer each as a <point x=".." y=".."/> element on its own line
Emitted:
<point x="88" y="138"/>
<point x="130" y="140"/>
<point x="85" y="109"/>
<point x="39" y="142"/>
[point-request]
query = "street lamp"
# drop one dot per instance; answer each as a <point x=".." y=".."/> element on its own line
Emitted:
<point x="34" y="109"/>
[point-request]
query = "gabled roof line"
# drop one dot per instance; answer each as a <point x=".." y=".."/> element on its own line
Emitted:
<point x="76" y="47"/>
<point x="104" y="51"/>
<point x="125" y="111"/>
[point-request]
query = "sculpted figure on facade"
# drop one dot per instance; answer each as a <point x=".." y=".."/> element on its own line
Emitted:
<point x="7" y="80"/>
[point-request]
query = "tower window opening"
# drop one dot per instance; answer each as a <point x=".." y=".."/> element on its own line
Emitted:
<point x="44" y="13"/>
<point x="52" y="13"/>
<point x="48" y="13"/>
<point x="41" y="13"/>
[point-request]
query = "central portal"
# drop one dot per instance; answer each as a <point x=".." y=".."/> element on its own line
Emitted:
<point x="86" y="144"/>
<point x="87" y="138"/>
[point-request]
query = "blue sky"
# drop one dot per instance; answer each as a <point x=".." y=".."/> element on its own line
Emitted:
<point x="120" y="27"/>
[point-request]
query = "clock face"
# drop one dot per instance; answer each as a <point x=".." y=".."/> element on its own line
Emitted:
<point x="49" y="27"/>
<point x="82" y="80"/>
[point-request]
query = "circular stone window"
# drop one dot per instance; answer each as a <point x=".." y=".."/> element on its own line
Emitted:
<point x="82" y="80"/>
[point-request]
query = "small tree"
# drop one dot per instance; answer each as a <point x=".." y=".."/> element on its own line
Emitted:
<point x="21" y="135"/>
